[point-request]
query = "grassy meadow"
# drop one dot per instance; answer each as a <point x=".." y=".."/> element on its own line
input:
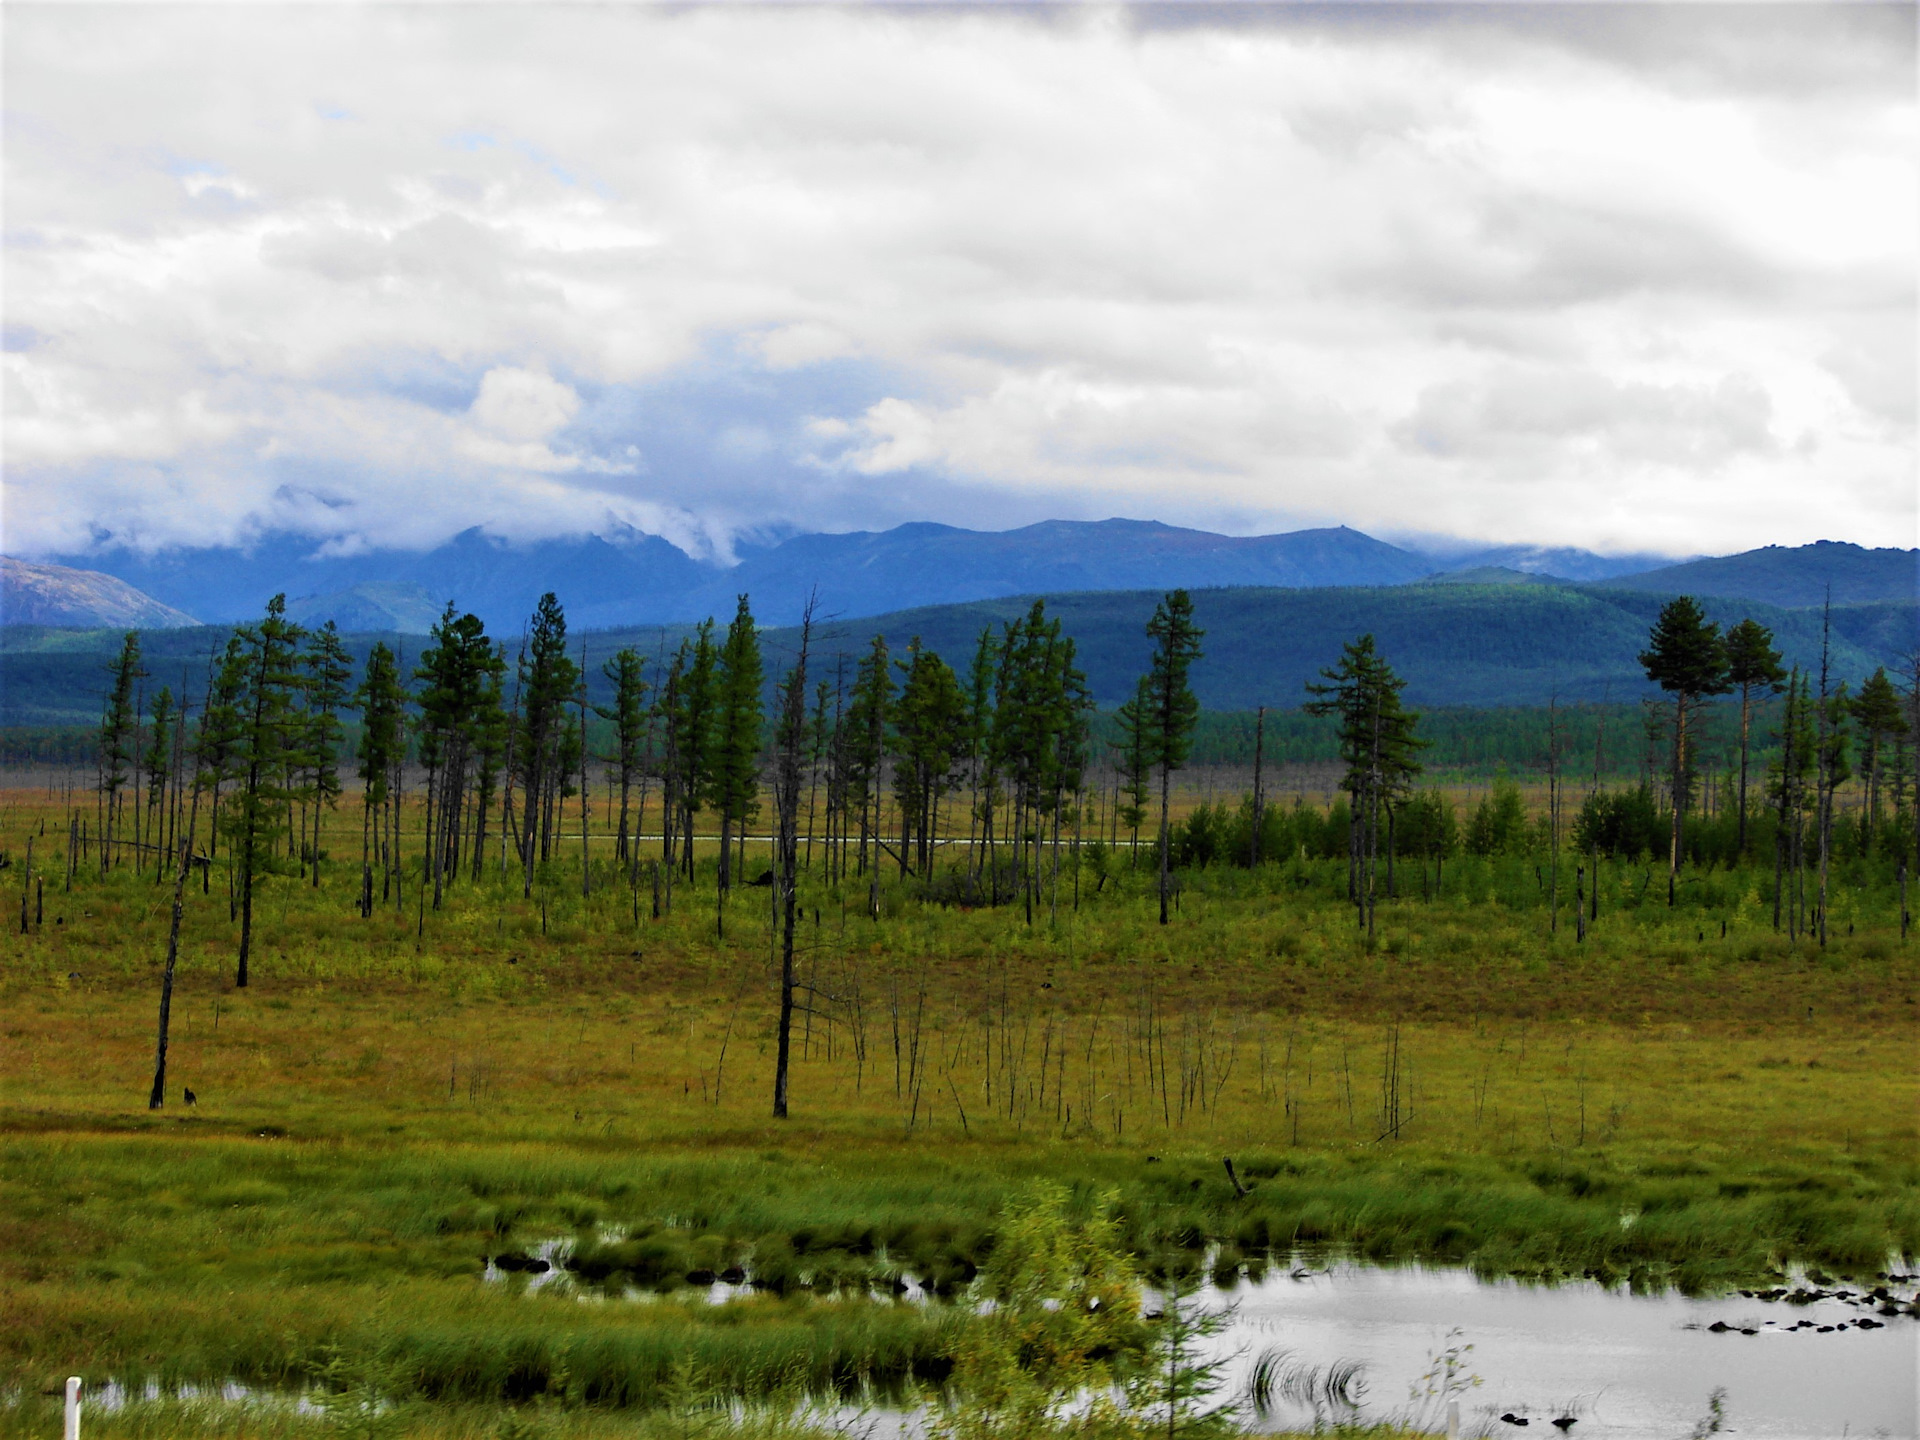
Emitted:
<point x="1684" y="1098"/>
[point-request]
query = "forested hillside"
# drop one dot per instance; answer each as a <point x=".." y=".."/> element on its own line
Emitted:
<point x="1457" y="645"/>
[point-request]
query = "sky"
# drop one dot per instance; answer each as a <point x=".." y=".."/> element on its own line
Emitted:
<point x="1633" y="278"/>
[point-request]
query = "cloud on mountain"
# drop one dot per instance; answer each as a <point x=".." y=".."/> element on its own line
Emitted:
<point x="1622" y="276"/>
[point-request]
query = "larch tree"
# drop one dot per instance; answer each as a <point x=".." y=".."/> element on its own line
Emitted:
<point x="460" y="726"/>
<point x="1876" y="710"/>
<point x="696" y="731"/>
<point x="626" y="671"/>
<point x="1832" y="765"/>
<point x="328" y="669"/>
<point x="1787" y="786"/>
<point x="1172" y="709"/>
<point x="790" y="746"/>
<point x="929" y="742"/>
<point x="1753" y="668"/>
<point x="980" y="681"/>
<point x="545" y="742"/>
<point x="183" y="862"/>
<point x="158" y="765"/>
<point x="1133" y="760"/>
<point x="382" y="702"/>
<point x="869" y="714"/>
<point x="266" y="680"/>
<point x="734" y="781"/>
<point x="1686" y="656"/>
<point x="1378" y="744"/>
<point x="119" y="742"/>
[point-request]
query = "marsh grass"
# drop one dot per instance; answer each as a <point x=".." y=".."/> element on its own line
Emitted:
<point x="393" y="1101"/>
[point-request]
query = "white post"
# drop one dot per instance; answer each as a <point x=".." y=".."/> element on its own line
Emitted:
<point x="1453" y="1420"/>
<point x="73" y="1408"/>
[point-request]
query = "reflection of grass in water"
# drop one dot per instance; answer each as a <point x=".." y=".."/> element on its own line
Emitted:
<point x="378" y="1113"/>
<point x="1332" y="1391"/>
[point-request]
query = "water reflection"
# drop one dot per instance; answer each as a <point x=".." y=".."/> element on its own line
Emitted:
<point x="1610" y="1363"/>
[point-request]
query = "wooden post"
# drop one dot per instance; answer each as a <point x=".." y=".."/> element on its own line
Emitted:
<point x="72" y="1431"/>
<point x="1903" y="902"/>
<point x="1453" y="1420"/>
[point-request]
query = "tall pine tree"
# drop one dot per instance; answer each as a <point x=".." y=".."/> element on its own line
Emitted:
<point x="1172" y="710"/>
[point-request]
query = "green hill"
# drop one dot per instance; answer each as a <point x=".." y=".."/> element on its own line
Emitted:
<point x="1792" y="576"/>
<point x="1457" y="645"/>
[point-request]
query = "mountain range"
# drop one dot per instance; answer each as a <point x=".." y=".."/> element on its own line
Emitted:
<point x="1471" y="644"/>
<point x="626" y="577"/>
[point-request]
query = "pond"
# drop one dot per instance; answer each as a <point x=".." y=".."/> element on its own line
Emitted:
<point x="1620" y="1365"/>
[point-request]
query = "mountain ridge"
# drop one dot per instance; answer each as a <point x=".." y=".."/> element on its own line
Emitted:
<point x="627" y="577"/>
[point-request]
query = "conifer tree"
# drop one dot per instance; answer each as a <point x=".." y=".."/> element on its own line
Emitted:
<point x="461" y="738"/>
<point x="119" y="741"/>
<point x="981" y="778"/>
<point x="628" y="712"/>
<point x="545" y="743"/>
<point x="869" y="713"/>
<point x="265" y="680"/>
<point x="1787" y="785"/>
<point x="669" y="708"/>
<point x="1378" y="744"/>
<point x="328" y="668"/>
<point x="1172" y="709"/>
<point x="157" y="1094"/>
<point x="1832" y="768"/>
<point x="1133" y="759"/>
<point x="1876" y="710"/>
<point x="381" y="700"/>
<point x="158" y="765"/>
<point x="1687" y="657"/>
<point x="931" y="724"/>
<point x="734" y="781"/>
<point x="789" y="745"/>
<point x="694" y="730"/>
<point x="1753" y="667"/>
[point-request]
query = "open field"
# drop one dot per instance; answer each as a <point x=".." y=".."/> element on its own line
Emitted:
<point x="393" y="1100"/>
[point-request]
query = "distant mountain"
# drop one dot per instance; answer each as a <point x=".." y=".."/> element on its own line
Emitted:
<point x="605" y="580"/>
<point x="59" y="595"/>
<point x="373" y="605"/>
<point x="866" y="573"/>
<point x="1792" y="576"/>
<point x="631" y="578"/>
<point x="1562" y="562"/>
<point x="626" y="577"/>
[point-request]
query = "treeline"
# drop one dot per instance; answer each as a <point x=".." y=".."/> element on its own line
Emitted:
<point x="1783" y="802"/>
<point x="896" y="755"/>
<point x="1610" y="740"/>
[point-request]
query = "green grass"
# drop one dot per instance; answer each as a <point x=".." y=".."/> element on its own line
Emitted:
<point x="392" y="1101"/>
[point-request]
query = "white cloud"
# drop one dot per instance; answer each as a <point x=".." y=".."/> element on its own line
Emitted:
<point x="524" y="405"/>
<point x="1561" y="275"/>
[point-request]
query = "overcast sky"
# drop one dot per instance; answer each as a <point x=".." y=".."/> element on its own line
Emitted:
<point x="1613" y="276"/>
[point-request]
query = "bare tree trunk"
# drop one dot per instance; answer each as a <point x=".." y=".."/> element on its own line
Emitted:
<point x="787" y="804"/>
<point x="1166" y="836"/>
<point x="157" y="1097"/>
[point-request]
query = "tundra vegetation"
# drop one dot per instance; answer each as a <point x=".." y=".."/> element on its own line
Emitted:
<point x="912" y="978"/>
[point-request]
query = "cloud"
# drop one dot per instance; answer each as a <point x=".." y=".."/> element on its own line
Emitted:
<point x="1531" y="414"/>
<point x="1554" y="274"/>
<point x="523" y="405"/>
